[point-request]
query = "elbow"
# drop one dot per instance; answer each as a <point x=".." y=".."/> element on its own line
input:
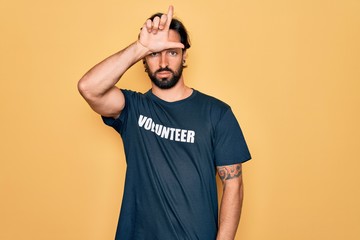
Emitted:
<point x="82" y="86"/>
<point x="85" y="89"/>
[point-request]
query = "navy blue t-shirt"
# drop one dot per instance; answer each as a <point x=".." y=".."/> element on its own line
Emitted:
<point x="172" y="150"/>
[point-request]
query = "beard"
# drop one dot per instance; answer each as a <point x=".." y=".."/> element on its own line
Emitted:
<point x="165" y="83"/>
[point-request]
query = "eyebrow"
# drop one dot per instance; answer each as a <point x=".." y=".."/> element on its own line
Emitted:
<point x="169" y="49"/>
<point x="173" y="49"/>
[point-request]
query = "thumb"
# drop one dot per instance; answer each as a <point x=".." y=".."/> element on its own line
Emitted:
<point x="174" y="45"/>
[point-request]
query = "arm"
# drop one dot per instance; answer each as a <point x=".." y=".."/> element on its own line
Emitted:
<point x="231" y="203"/>
<point x="97" y="86"/>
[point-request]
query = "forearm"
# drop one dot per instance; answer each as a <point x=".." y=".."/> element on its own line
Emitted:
<point x="230" y="211"/>
<point x="103" y="76"/>
<point x="231" y="202"/>
<point x="97" y="86"/>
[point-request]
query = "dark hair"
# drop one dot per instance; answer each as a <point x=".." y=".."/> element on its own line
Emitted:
<point x="179" y="27"/>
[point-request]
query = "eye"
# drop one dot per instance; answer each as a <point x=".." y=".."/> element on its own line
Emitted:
<point x="154" y="54"/>
<point x="173" y="53"/>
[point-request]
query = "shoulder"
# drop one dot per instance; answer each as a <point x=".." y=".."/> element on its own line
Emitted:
<point x="130" y="93"/>
<point x="216" y="108"/>
<point x="133" y="96"/>
<point x="212" y="100"/>
<point x="215" y="105"/>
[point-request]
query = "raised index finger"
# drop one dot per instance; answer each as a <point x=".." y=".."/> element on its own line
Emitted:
<point x="169" y="16"/>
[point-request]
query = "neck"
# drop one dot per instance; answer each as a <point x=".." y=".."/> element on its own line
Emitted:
<point x="179" y="92"/>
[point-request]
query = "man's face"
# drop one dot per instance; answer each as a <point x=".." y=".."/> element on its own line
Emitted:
<point x="165" y="68"/>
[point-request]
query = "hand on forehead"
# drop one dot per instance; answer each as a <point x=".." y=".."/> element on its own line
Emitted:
<point x="160" y="23"/>
<point x="156" y="35"/>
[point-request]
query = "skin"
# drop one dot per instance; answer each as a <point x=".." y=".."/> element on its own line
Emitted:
<point x="97" y="86"/>
<point x="171" y="58"/>
<point x="160" y="47"/>
<point x="231" y="202"/>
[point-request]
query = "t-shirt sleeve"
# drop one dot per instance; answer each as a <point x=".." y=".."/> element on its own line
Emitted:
<point x="230" y="145"/>
<point x="119" y="123"/>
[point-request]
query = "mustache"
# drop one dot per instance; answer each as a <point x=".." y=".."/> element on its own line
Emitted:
<point x="164" y="69"/>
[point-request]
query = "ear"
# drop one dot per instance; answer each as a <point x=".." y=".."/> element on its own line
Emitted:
<point x="144" y="64"/>
<point x="184" y="55"/>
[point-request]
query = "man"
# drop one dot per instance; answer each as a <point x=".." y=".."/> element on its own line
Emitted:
<point x="175" y="138"/>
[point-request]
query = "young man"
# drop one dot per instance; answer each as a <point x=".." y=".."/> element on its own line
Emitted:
<point x="174" y="137"/>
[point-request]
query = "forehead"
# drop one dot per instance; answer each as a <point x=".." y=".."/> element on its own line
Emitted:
<point x="174" y="36"/>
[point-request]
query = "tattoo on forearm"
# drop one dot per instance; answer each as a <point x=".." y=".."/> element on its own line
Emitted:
<point x="229" y="172"/>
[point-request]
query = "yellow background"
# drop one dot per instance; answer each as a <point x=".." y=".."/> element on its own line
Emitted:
<point x="289" y="69"/>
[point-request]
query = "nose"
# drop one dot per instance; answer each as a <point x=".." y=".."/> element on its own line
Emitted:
<point x="163" y="60"/>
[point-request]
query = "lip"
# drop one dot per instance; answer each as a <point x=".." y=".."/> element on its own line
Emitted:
<point x="164" y="73"/>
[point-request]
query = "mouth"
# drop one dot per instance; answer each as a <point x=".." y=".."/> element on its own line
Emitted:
<point x="163" y="74"/>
